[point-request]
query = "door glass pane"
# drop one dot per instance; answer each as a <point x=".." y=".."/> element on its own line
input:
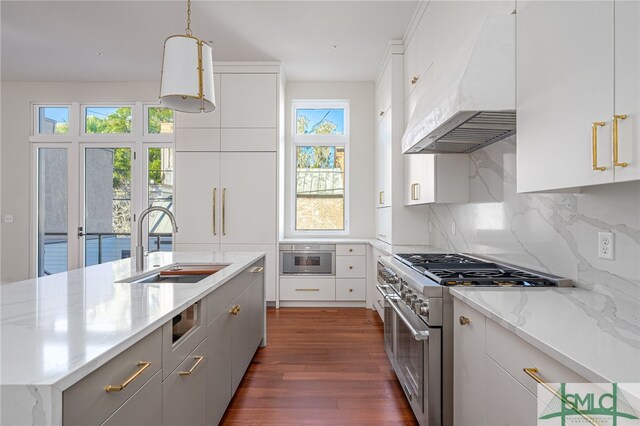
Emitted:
<point x="160" y="193"/>
<point x="53" y="120"/>
<point x="107" y="204"/>
<point x="52" y="210"/>
<point x="320" y="121"/>
<point x="319" y="188"/>
<point x="159" y="120"/>
<point x="107" y="119"/>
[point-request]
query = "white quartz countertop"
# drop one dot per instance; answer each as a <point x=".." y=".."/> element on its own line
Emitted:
<point x="57" y="329"/>
<point x="595" y="335"/>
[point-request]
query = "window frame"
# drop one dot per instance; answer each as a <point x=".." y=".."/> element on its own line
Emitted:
<point x="318" y="140"/>
<point x="155" y="137"/>
<point x="132" y="136"/>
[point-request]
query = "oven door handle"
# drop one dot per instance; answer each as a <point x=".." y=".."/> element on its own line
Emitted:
<point x="417" y="334"/>
<point x="382" y="288"/>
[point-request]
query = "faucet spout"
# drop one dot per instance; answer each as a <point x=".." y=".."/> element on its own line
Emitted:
<point x="140" y="247"/>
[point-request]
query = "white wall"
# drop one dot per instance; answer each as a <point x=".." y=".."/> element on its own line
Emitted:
<point x="16" y="173"/>
<point x="361" y="148"/>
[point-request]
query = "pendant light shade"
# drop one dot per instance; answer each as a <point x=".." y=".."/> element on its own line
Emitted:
<point x="186" y="83"/>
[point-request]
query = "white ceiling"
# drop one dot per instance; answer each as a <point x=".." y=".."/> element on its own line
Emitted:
<point x="58" y="40"/>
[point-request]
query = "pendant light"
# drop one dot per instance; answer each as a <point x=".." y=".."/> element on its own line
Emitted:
<point x="186" y="83"/>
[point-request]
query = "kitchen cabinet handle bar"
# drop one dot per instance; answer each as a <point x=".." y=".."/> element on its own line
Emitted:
<point x="533" y="373"/>
<point x="414" y="191"/>
<point x="224" y="204"/>
<point x="307" y="289"/>
<point x="616" y="118"/>
<point x="417" y="334"/>
<point x="198" y="359"/>
<point x="143" y="366"/>
<point x="594" y="144"/>
<point x="381" y="197"/>
<point x="215" y="190"/>
<point x="257" y="269"/>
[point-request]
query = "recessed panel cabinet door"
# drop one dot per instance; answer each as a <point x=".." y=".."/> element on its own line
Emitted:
<point x="383" y="161"/>
<point x="250" y="100"/>
<point x="198" y="197"/>
<point x="219" y="338"/>
<point x="564" y="74"/>
<point x="627" y="88"/>
<point x="248" y="188"/>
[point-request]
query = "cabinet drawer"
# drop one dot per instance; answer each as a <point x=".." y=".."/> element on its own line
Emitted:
<point x="176" y="347"/>
<point x="134" y="412"/>
<point x="513" y="354"/>
<point x="223" y="296"/>
<point x="184" y="392"/>
<point x="307" y="288"/>
<point x="351" y="250"/>
<point x="197" y="139"/>
<point x="87" y="402"/>
<point x="248" y="140"/>
<point x="351" y="266"/>
<point x="353" y="289"/>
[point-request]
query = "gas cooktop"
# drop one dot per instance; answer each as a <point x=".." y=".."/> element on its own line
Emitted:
<point x="462" y="270"/>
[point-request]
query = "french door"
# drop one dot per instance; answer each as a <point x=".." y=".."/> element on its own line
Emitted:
<point x="89" y="196"/>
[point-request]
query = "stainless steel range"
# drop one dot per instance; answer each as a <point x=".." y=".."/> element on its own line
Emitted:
<point x="418" y="319"/>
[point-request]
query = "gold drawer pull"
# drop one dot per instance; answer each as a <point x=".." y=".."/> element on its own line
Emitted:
<point x="215" y="190"/>
<point x="350" y="290"/>
<point x="257" y="269"/>
<point x="307" y="289"/>
<point x="464" y="320"/>
<point x="143" y="366"/>
<point x="414" y="80"/>
<point x="533" y="373"/>
<point x="235" y="310"/>
<point x="381" y="197"/>
<point x="198" y="359"/>
<point x="381" y="113"/>
<point x="350" y="250"/>
<point x="415" y="191"/>
<point x="615" y="139"/>
<point x="594" y="145"/>
<point x="350" y="267"/>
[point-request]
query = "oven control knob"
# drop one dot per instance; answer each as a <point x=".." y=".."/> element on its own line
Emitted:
<point x="417" y="304"/>
<point x="424" y="309"/>
<point x="410" y="298"/>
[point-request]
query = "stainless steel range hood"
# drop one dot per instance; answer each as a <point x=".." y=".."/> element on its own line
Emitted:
<point x="472" y="103"/>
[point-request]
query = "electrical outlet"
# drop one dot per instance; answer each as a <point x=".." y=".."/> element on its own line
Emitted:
<point x="8" y="218"/>
<point x="453" y="228"/>
<point x="605" y="245"/>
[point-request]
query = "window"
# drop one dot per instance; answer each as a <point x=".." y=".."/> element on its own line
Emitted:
<point x="160" y="193"/>
<point x="320" y="142"/>
<point x="102" y="119"/>
<point x="159" y="120"/>
<point x="53" y="120"/>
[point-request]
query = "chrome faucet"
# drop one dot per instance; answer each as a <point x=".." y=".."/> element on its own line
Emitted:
<point x="140" y="247"/>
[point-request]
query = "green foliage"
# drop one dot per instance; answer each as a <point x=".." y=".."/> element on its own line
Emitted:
<point x="314" y="157"/>
<point x="158" y="116"/>
<point x="121" y="167"/>
<point x="155" y="166"/>
<point x="118" y="122"/>
<point x="61" y="128"/>
<point x="326" y="127"/>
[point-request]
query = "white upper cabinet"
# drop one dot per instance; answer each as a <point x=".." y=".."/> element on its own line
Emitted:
<point x="436" y="178"/>
<point x="384" y="161"/>
<point x="206" y="120"/>
<point x="249" y="100"/>
<point x="411" y="72"/>
<point x="383" y="94"/>
<point x="568" y="96"/>
<point x="627" y="88"/>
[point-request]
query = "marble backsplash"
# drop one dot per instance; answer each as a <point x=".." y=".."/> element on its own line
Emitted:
<point x="555" y="233"/>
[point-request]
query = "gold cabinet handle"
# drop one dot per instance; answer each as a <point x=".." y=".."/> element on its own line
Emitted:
<point x="616" y="118"/>
<point x="414" y="80"/>
<point x="415" y="188"/>
<point x="350" y="250"/>
<point x="224" y="203"/>
<point x="235" y="310"/>
<point x="257" y="269"/>
<point x="143" y="366"/>
<point x="533" y="373"/>
<point x="594" y="144"/>
<point x="198" y="359"/>
<point x="464" y="320"/>
<point x="381" y="113"/>
<point x="307" y="289"/>
<point x="350" y="267"/>
<point x="215" y="190"/>
<point x="350" y="290"/>
<point x="381" y="197"/>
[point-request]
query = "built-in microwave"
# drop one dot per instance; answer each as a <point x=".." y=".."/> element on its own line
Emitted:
<point x="299" y="259"/>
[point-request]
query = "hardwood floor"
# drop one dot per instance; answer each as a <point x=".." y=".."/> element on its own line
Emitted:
<point x="321" y="366"/>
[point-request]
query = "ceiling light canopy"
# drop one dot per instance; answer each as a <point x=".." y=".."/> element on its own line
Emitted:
<point x="186" y="83"/>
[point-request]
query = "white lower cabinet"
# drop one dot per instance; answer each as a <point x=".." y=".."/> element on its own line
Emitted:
<point x="489" y="384"/>
<point x="184" y="391"/>
<point x="307" y="288"/>
<point x="351" y="289"/>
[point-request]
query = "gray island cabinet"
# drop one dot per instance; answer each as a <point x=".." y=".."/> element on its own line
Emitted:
<point x="184" y="370"/>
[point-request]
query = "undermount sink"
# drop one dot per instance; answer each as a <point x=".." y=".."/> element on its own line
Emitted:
<point x="184" y="273"/>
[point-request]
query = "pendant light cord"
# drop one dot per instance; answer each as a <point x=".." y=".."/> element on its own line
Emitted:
<point x="188" y="29"/>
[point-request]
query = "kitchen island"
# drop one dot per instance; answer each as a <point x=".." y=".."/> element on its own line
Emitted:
<point x="58" y="330"/>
